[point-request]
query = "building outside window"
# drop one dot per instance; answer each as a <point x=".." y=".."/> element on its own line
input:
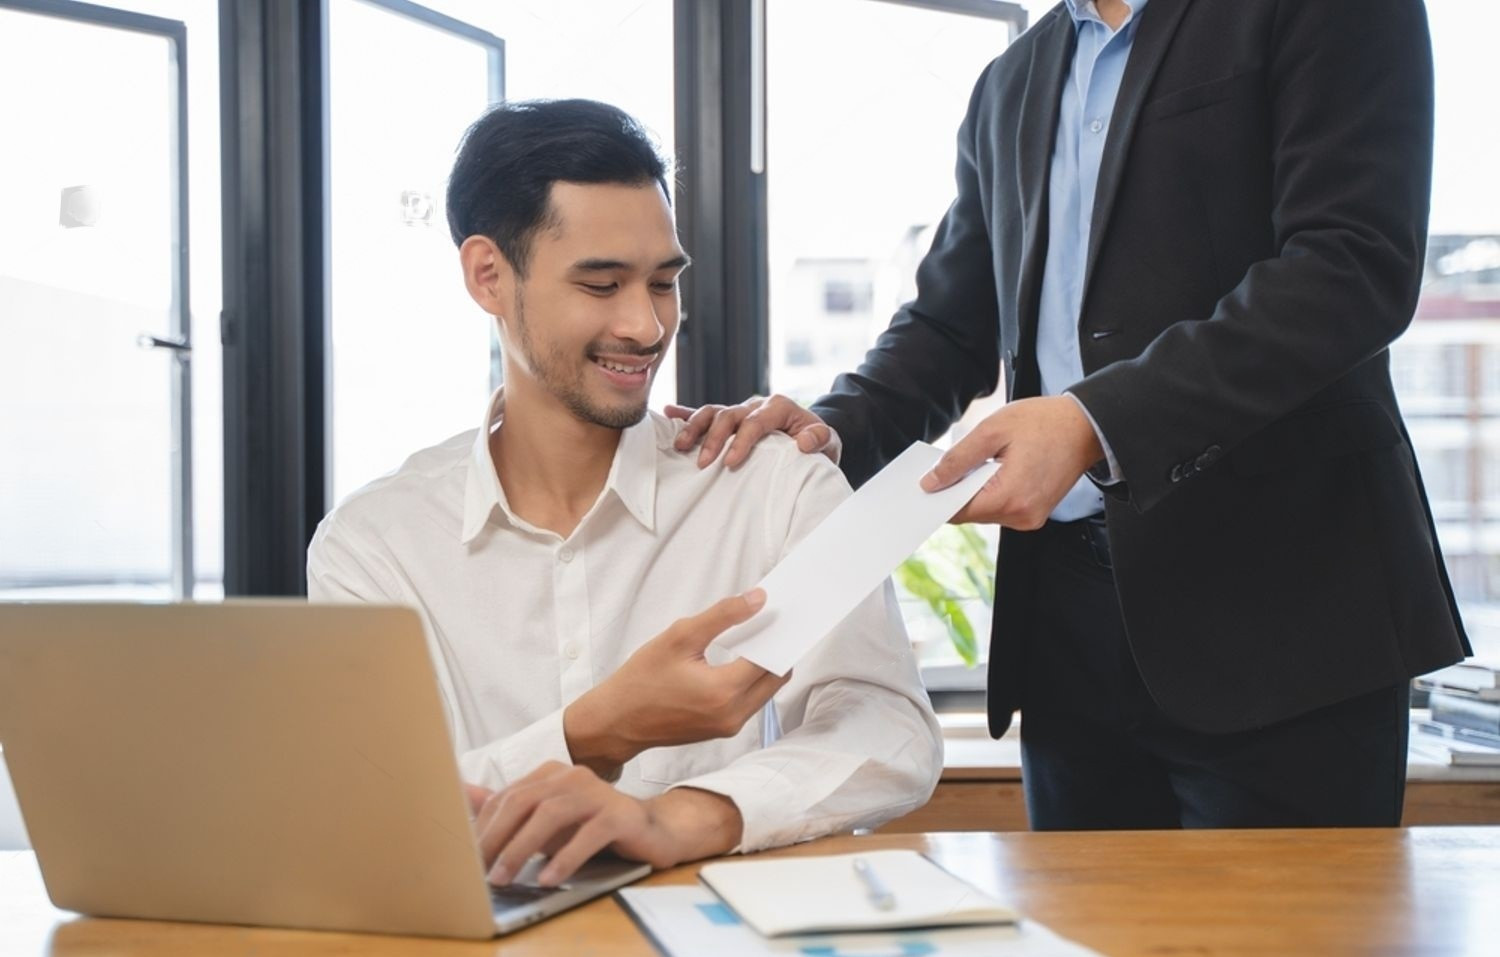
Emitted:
<point x="1447" y="370"/>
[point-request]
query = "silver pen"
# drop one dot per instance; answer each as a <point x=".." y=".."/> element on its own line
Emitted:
<point x="880" y="895"/>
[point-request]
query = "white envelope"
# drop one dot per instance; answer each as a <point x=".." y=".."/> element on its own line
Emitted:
<point x="847" y="557"/>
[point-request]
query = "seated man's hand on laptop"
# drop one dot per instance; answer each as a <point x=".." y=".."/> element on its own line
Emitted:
<point x="747" y="423"/>
<point x="667" y="693"/>
<point x="477" y="796"/>
<point x="570" y="814"/>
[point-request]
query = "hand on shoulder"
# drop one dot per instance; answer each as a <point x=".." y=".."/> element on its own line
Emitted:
<point x="745" y="424"/>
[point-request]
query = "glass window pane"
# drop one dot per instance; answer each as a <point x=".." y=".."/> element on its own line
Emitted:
<point x="859" y="170"/>
<point x="86" y="267"/>
<point x="103" y="77"/>
<point x="410" y="356"/>
<point x="1447" y="365"/>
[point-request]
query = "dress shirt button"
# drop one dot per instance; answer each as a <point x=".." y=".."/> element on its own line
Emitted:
<point x="1095" y="126"/>
<point x="565" y="555"/>
<point x="571" y="651"/>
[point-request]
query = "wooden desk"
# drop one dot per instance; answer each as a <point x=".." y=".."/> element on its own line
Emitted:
<point x="1429" y="891"/>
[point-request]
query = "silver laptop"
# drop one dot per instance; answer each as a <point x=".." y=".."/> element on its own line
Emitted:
<point x="263" y="762"/>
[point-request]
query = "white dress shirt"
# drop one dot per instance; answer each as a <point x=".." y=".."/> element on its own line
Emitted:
<point x="521" y="622"/>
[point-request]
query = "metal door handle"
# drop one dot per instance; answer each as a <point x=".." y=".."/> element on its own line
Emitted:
<point x="147" y="341"/>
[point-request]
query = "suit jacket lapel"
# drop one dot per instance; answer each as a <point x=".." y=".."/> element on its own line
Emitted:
<point x="1153" y="35"/>
<point x="1051" y="54"/>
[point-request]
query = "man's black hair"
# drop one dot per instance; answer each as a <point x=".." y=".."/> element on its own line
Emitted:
<point x="509" y="159"/>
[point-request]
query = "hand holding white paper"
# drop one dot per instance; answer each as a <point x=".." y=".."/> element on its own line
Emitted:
<point x="847" y="557"/>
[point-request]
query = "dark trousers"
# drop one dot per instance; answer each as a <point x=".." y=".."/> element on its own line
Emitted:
<point x="1098" y="753"/>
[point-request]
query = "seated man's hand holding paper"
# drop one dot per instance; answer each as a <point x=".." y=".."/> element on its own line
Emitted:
<point x="667" y="693"/>
<point x="570" y="814"/>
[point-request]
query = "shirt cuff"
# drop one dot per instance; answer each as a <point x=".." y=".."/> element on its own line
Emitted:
<point x="772" y="805"/>
<point x="1115" y="477"/>
<point x="502" y="763"/>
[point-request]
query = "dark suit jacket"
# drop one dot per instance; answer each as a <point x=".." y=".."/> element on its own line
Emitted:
<point x="1257" y="242"/>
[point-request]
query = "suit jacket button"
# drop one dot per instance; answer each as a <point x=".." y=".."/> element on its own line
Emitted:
<point x="1176" y="474"/>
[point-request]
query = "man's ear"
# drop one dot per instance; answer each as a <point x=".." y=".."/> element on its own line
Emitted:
<point x="488" y="275"/>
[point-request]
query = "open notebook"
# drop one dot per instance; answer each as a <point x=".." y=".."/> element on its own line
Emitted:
<point x="800" y="895"/>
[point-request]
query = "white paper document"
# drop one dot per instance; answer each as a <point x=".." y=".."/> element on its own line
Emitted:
<point x="689" y="921"/>
<point x="816" y="895"/>
<point x="847" y="557"/>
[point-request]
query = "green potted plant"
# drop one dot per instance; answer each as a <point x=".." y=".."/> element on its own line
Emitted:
<point x="953" y="568"/>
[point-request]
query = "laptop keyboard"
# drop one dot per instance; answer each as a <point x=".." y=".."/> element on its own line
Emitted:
<point x="516" y="895"/>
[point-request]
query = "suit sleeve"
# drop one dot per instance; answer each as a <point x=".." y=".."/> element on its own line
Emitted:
<point x="941" y="349"/>
<point x="1349" y="88"/>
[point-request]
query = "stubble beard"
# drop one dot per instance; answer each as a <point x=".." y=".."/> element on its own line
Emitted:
<point x="553" y="373"/>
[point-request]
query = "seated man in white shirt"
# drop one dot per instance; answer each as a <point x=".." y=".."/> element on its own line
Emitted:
<point x="560" y="555"/>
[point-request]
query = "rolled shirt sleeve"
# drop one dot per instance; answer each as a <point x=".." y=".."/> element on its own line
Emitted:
<point x="861" y="744"/>
<point x="498" y="764"/>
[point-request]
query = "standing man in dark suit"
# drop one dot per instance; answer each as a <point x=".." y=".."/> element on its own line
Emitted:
<point x="1187" y="231"/>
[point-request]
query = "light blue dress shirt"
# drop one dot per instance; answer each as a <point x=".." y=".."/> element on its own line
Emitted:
<point x="1088" y="100"/>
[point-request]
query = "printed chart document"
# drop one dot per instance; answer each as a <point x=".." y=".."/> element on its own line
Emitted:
<point x="691" y="922"/>
<point x="847" y="557"/>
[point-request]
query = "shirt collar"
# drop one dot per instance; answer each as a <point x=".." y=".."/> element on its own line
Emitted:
<point x="1084" y="10"/>
<point x="632" y="475"/>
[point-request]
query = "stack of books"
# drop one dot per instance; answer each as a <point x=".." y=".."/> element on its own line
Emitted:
<point x="1464" y="703"/>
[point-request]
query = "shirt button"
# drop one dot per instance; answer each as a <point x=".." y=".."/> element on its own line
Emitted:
<point x="1095" y="126"/>
<point x="566" y="555"/>
<point x="571" y="650"/>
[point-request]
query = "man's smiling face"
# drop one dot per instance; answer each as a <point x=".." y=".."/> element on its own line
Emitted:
<point x="599" y="304"/>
